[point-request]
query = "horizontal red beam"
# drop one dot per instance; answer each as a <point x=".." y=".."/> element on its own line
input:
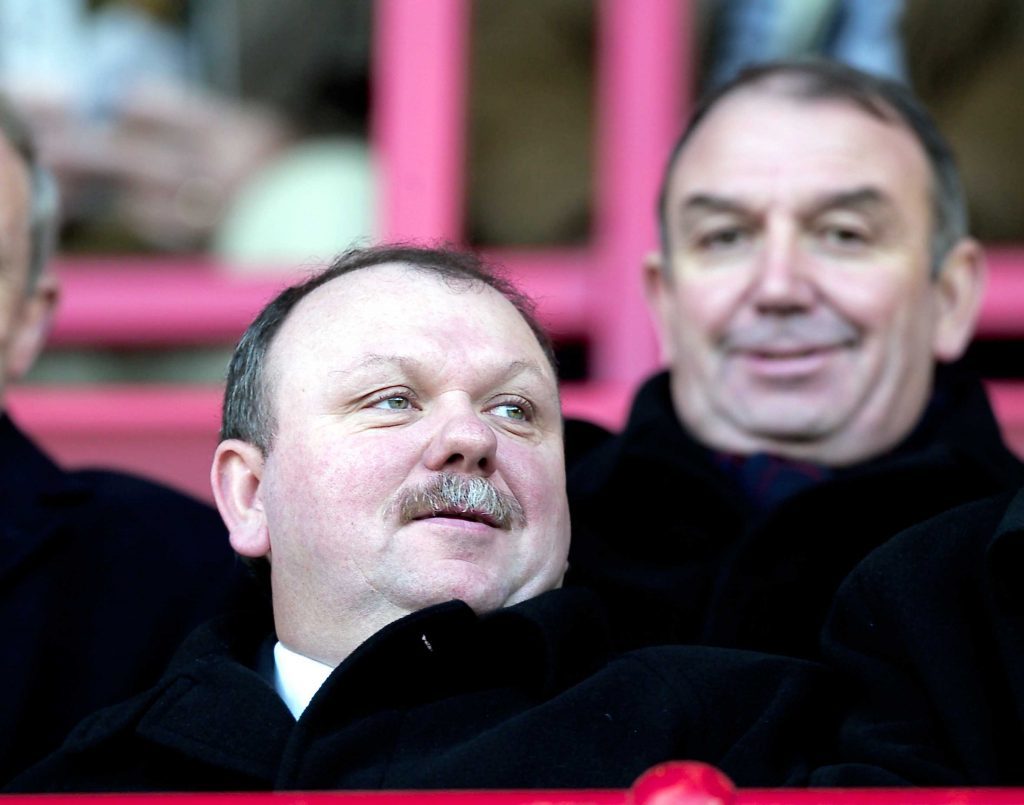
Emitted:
<point x="170" y="432"/>
<point x="134" y="301"/>
<point x="674" y="783"/>
<point x="130" y="301"/>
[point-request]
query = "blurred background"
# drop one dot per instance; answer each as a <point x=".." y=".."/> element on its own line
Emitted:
<point x="209" y="151"/>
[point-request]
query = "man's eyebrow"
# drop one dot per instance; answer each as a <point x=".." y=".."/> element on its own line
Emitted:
<point x="860" y="197"/>
<point x="410" y="364"/>
<point x="516" y="368"/>
<point x="375" y="361"/>
<point x="700" y="203"/>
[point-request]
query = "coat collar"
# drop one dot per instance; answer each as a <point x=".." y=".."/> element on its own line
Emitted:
<point x="958" y="426"/>
<point x="541" y="646"/>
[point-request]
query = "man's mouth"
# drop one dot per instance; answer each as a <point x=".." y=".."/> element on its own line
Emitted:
<point x="788" y="363"/>
<point x="790" y="353"/>
<point x="471" y="516"/>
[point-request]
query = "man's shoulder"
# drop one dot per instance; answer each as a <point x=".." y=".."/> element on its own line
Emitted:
<point x="951" y="543"/>
<point x="652" y="436"/>
<point x="582" y="437"/>
<point x="95" y="499"/>
<point x="205" y="706"/>
<point x="117" y="492"/>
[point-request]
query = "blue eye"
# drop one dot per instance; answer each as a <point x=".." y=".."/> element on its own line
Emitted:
<point x="510" y="411"/>
<point x="393" y="403"/>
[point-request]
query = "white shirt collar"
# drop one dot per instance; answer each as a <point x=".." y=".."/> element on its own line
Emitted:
<point x="297" y="677"/>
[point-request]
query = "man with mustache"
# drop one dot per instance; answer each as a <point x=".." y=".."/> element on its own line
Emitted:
<point x="392" y="454"/>
<point x="815" y="278"/>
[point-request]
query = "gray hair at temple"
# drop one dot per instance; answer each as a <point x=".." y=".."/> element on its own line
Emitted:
<point x="45" y="198"/>
<point x="248" y="410"/>
<point x="821" y="80"/>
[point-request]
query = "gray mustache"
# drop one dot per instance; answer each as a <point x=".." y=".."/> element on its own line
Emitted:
<point x="449" y="492"/>
<point x="794" y="330"/>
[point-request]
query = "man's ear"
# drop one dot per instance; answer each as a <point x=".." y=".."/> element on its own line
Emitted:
<point x="35" y="316"/>
<point x="660" y="301"/>
<point x="235" y="475"/>
<point x="959" y="289"/>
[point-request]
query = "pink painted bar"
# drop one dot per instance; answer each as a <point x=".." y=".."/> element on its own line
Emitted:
<point x="539" y="797"/>
<point x="750" y="796"/>
<point x="147" y="301"/>
<point x="1002" y="313"/>
<point x="672" y="783"/>
<point x="643" y="86"/>
<point x="141" y="302"/>
<point x="418" y="111"/>
<point x="560" y="282"/>
<point x="169" y="432"/>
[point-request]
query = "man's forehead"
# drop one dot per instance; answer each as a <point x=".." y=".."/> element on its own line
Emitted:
<point x="754" y="121"/>
<point x="379" y="289"/>
<point x="380" y="304"/>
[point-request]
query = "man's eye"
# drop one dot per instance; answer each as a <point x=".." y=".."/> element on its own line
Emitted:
<point x="510" y="411"/>
<point x="393" y="403"/>
<point x="843" y="236"/>
<point x="721" y="238"/>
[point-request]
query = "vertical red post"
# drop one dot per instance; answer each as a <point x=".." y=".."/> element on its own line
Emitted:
<point x="419" y="77"/>
<point x="643" y="88"/>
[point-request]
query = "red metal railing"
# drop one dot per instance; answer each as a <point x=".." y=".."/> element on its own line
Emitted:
<point x="668" y="784"/>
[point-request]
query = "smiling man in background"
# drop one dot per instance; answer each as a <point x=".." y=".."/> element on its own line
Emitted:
<point x="815" y="269"/>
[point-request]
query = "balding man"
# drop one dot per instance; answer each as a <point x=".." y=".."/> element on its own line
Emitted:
<point x="815" y="280"/>
<point x="392" y="455"/>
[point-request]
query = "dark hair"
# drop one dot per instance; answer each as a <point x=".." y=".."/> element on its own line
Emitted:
<point x="882" y="98"/>
<point x="43" y="189"/>
<point x="248" y="413"/>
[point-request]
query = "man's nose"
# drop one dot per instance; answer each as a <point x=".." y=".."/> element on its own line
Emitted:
<point x="782" y="279"/>
<point x="463" y="441"/>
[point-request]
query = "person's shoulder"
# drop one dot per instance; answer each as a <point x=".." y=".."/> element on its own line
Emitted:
<point x="948" y="543"/>
<point x="583" y="437"/>
<point x="119" y="494"/>
<point x="117" y="486"/>
<point x="730" y="681"/>
<point x="712" y="666"/>
<point x="76" y="765"/>
<point x="136" y="522"/>
<point x="759" y="717"/>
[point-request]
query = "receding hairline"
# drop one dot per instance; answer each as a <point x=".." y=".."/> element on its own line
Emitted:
<point x="801" y="86"/>
<point x="799" y="89"/>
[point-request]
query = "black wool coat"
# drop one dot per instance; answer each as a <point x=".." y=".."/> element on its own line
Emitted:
<point x="680" y="554"/>
<point x="526" y="697"/>
<point x="101" y="576"/>
<point x="929" y="630"/>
